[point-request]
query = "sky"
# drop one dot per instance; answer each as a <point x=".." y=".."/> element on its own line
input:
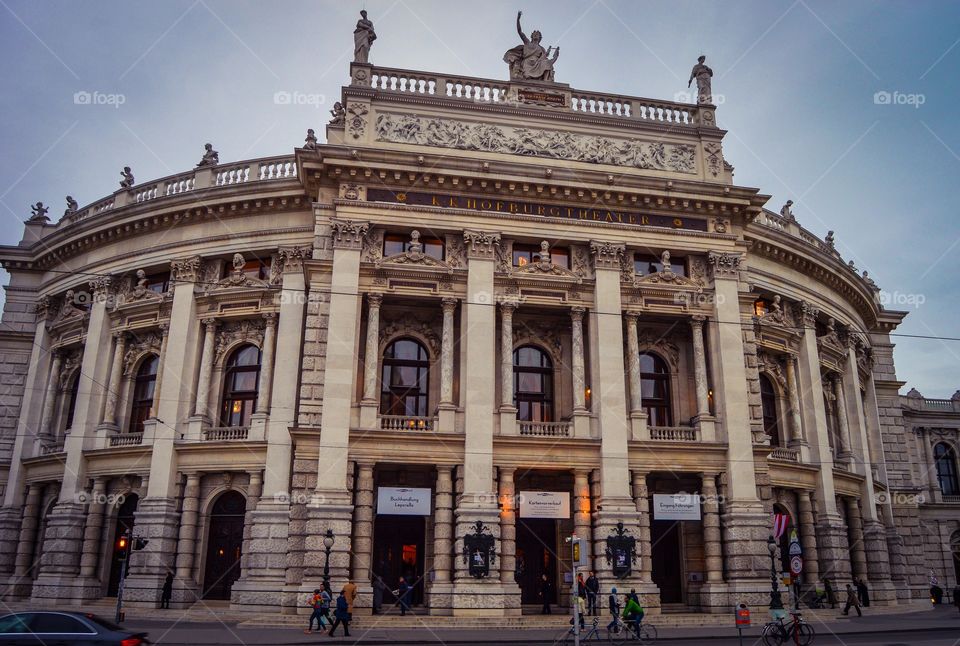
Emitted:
<point x="847" y="108"/>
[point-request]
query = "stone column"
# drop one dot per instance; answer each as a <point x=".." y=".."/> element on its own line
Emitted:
<point x="858" y="557"/>
<point x="50" y="401"/>
<point x="583" y="512"/>
<point x="644" y="546"/>
<point x="185" y="587"/>
<point x="116" y="374"/>
<point x="266" y="363"/>
<point x="797" y="440"/>
<point x="638" y="417"/>
<point x="363" y="527"/>
<point x="808" y="538"/>
<point x="581" y="416"/>
<point x="845" y="454"/>
<point x="711" y="528"/>
<point x="164" y="329"/>
<point x="449" y="305"/>
<point x="254" y="490"/>
<point x="508" y="526"/>
<point x="371" y="360"/>
<point x="206" y="366"/>
<point x="19" y="584"/>
<point x="704" y="420"/>
<point x="440" y="590"/>
<point x="92" y="543"/>
<point x="506" y="356"/>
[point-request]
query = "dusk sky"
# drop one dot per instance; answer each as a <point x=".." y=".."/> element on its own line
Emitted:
<point x="797" y="85"/>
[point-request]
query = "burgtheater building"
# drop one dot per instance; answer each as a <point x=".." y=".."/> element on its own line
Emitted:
<point x="482" y="317"/>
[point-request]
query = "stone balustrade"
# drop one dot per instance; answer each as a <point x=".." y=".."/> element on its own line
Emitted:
<point x="406" y="423"/>
<point x="51" y="449"/>
<point x="785" y="454"/>
<point x="225" y="433"/>
<point x="545" y="429"/>
<point x="126" y="439"/>
<point x="932" y="405"/>
<point x="673" y="433"/>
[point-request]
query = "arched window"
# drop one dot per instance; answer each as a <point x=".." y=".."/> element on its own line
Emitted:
<point x="143" y="387"/>
<point x="768" y="404"/>
<point x="242" y="376"/>
<point x="72" y="400"/>
<point x="532" y="384"/>
<point x="655" y="389"/>
<point x="946" y="461"/>
<point x="406" y="379"/>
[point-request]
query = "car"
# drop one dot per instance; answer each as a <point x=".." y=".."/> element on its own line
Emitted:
<point x="55" y="628"/>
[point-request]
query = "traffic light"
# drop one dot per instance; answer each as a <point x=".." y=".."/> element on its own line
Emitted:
<point x="123" y="545"/>
<point x="139" y="543"/>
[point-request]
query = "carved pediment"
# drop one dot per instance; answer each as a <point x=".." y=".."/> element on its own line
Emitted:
<point x="69" y="310"/>
<point x="237" y="278"/>
<point x="419" y="259"/>
<point x="831" y="339"/>
<point x="149" y="342"/>
<point x="546" y="268"/>
<point x="667" y="277"/>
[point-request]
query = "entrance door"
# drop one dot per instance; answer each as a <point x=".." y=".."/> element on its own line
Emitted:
<point x="124" y="524"/>
<point x="536" y="556"/>
<point x="667" y="560"/>
<point x="398" y="543"/>
<point x="224" y="545"/>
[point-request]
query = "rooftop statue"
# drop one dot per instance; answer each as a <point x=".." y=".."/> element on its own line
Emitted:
<point x="703" y="75"/>
<point x="39" y="213"/>
<point x="72" y="206"/>
<point x="786" y="212"/>
<point x="363" y="37"/>
<point x="530" y="61"/>
<point x="210" y="157"/>
<point x="310" y="143"/>
<point x="126" y="177"/>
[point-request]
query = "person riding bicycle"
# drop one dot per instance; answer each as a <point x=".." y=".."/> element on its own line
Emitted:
<point x="633" y="612"/>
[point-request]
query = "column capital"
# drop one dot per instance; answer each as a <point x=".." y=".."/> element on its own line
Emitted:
<point x="697" y="321"/>
<point x="291" y="258"/>
<point x="348" y="234"/>
<point x="120" y="336"/>
<point x="709" y="476"/>
<point x="185" y="270"/>
<point x="100" y="286"/>
<point x="807" y="313"/>
<point x="577" y="312"/>
<point x="449" y="303"/>
<point x="374" y="299"/>
<point x="481" y="244"/>
<point x="724" y="265"/>
<point x="270" y="319"/>
<point x="607" y="255"/>
<point x="164" y="328"/>
<point x="211" y="323"/>
<point x="509" y="306"/>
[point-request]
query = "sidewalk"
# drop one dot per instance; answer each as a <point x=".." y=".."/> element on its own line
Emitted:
<point x="170" y="633"/>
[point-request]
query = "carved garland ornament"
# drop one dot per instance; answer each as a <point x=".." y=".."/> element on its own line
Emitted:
<point x="714" y="159"/>
<point x="414" y="255"/>
<point x="348" y="234"/>
<point x="481" y="244"/>
<point x="149" y="342"/>
<point x="249" y="331"/>
<point x="534" y="142"/>
<point x="663" y="345"/>
<point x="185" y="269"/>
<point x="409" y="324"/>
<point x="607" y="255"/>
<point x="356" y="120"/>
<point x="724" y="265"/>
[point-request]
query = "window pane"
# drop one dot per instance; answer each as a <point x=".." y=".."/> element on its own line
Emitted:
<point x="51" y="623"/>
<point x="393" y="245"/>
<point x="244" y="380"/>
<point x="521" y="258"/>
<point x="14" y="624"/>
<point x="560" y="257"/>
<point x="433" y="248"/>
<point x="530" y="383"/>
<point x="247" y="356"/>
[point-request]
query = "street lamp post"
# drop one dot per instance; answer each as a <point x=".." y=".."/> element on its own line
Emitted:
<point x="776" y="603"/>
<point x="327" y="546"/>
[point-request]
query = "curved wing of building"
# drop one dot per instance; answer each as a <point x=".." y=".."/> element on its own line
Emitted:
<point x="484" y="316"/>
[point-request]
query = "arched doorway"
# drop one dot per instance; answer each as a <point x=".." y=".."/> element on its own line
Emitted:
<point x="955" y="549"/>
<point x="783" y="543"/>
<point x="125" y="521"/>
<point x="224" y="543"/>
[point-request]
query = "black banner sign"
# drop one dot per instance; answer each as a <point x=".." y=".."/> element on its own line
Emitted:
<point x="535" y="209"/>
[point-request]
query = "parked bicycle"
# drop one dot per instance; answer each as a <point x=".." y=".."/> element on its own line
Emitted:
<point x="622" y="632"/>
<point x="797" y="631"/>
<point x="591" y="634"/>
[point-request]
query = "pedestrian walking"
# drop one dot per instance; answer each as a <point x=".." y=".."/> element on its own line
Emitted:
<point x="831" y="594"/>
<point x="350" y="594"/>
<point x="341" y="615"/>
<point x="379" y="587"/>
<point x="316" y="603"/>
<point x="936" y="592"/>
<point x="852" y="600"/>
<point x="863" y="593"/>
<point x="593" y="591"/>
<point x="613" y="602"/>
<point x="403" y="592"/>
<point x="545" y="595"/>
<point x="166" y="592"/>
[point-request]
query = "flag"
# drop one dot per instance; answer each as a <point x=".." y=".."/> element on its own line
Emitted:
<point x="780" y="522"/>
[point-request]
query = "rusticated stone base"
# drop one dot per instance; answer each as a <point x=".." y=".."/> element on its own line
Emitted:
<point x="9" y="537"/>
<point x="833" y="551"/>
<point x="614" y="511"/>
<point x="745" y="529"/>
<point x="261" y="584"/>
<point x="485" y="598"/>
<point x="157" y="520"/>
<point x="60" y="561"/>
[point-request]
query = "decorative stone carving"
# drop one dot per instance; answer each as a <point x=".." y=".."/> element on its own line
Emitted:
<point x="409" y="324"/>
<point x="291" y="258"/>
<point x="353" y="192"/>
<point x="772" y="366"/>
<point x="310" y="143"/>
<point x="137" y="290"/>
<point x="414" y="255"/>
<point x="721" y="225"/>
<point x="100" y="287"/>
<point x="481" y="244"/>
<point x="72" y="207"/>
<point x="831" y="337"/>
<point x="210" y="157"/>
<point x="530" y="61"/>
<point x="806" y="313"/>
<point x="455" y="251"/>
<point x="869" y="281"/>
<point x="830" y="240"/>
<point x="714" y="157"/>
<point x="865" y="360"/>
<point x="357" y="121"/>
<point x="698" y="270"/>
<point x="776" y="315"/>
<point x="186" y="270"/>
<point x="580" y="261"/>
<point x="372" y="247"/>
<point x="126" y="178"/>
<point x="503" y="253"/>
<point x="628" y="270"/>
<point x="246" y="331"/>
<point x="664" y="345"/>
<point x="535" y="142"/>
<point x="348" y="234"/>
<point x="38" y="213"/>
<point x="70" y="364"/>
<point x="68" y="307"/>
<point x="237" y="278"/>
<point x="703" y="76"/>
<point x="363" y="37"/>
<point x="45" y="308"/>
<point x="786" y="212"/>
<point x="338" y="115"/>
<point x="606" y="255"/>
<point x="666" y="276"/>
<point x="724" y="265"/>
<point x="149" y="342"/>
<point x="544" y="266"/>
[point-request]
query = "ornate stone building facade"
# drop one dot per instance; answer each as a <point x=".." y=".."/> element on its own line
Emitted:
<point x="477" y="292"/>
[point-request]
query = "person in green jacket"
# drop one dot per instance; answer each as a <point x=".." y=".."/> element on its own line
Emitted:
<point x="633" y="612"/>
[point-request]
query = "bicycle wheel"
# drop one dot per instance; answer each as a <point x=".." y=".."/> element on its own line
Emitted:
<point x="772" y="634"/>
<point x="617" y="634"/>
<point x="648" y="634"/>
<point x="807" y="633"/>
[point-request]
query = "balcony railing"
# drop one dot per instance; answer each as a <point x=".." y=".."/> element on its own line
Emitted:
<point x="126" y="439"/>
<point x="406" y="423"/>
<point x="545" y="429"/>
<point x="951" y="499"/>
<point x="50" y="449"/>
<point x="673" y="433"/>
<point x="785" y="454"/>
<point x="225" y="433"/>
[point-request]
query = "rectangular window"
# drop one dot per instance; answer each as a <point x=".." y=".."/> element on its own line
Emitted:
<point x="394" y="243"/>
<point x="524" y="254"/>
<point x="159" y="283"/>
<point x="645" y="265"/>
